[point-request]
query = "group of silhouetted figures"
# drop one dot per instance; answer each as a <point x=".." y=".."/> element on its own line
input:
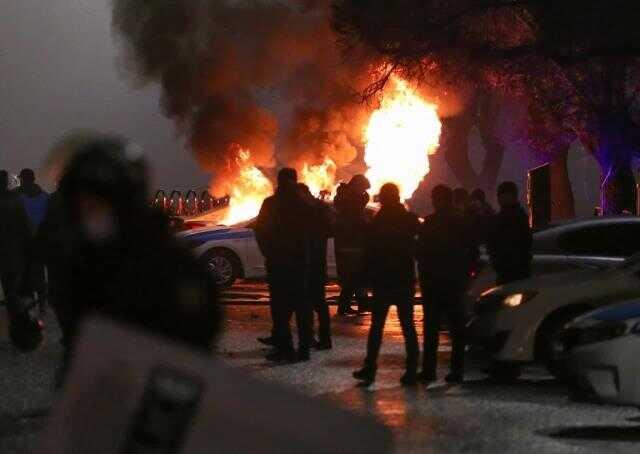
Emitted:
<point x="378" y="251"/>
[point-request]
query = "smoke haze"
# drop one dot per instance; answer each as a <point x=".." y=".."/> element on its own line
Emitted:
<point x="226" y="66"/>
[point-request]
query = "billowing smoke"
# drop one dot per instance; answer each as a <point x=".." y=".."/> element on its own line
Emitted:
<point x="261" y="75"/>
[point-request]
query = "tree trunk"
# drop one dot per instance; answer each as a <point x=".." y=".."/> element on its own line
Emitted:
<point x="562" y="202"/>
<point x="618" y="190"/>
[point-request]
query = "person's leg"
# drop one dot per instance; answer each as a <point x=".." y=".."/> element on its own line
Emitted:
<point x="404" y="304"/>
<point x="457" y="320"/>
<point x="282" y="310"/>
<point x="303" y="309"/>
<point x="431" y="320"/>
<point x="322" y="309"/>
<point x="345" y="299"/>
<point x="378" y="320"/>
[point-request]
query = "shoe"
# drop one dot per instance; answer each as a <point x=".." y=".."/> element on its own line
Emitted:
<point x="426" y="377"/>
<point x="454" y="379"/>
<point x="303" y="356"/>
<point x="409" y="378"/>
<point x="323" y="345"/>
<point x="267" y="341"/>
<point x="367" y="375"/>
<point x="281" y="357"/>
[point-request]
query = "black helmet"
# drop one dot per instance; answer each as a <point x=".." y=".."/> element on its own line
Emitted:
<point x="108" y="167"/>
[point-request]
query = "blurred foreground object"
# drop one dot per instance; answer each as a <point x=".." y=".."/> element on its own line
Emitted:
<point x="133" y="393"/>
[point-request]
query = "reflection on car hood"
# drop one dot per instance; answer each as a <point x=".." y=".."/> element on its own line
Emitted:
<point x="552" y="280"/>
<point x="617" y="312"/>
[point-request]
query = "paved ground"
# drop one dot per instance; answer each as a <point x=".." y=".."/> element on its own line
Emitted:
<point x="479" y="416"/>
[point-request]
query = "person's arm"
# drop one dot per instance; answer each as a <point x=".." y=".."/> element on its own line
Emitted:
<point x="264" y="228"/>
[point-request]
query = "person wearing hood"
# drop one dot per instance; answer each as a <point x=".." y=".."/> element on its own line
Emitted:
<point x="125" y="263"/>
<point x="510" y="238"/>
<point x="390" y="250"/>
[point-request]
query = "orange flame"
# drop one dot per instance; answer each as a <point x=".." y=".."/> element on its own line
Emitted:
<point x="320" y="178"/>
<point x="247" y="192"/>
<point x="399" y="138"/>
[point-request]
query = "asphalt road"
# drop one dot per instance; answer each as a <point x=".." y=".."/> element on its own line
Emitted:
<point x="531" y="415"/>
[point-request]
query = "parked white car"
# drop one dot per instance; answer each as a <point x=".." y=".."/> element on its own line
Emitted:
<point x="521" y="322"/>
<point x="578" y="244"/>
<point x="233" y="253"/>
<point x="602" y="350"/>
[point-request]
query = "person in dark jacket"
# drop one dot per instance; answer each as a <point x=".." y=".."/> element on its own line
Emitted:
<point x="282" y="230"/>
<point x="461" y="201"/>
<point x="390" y="250"/>
<point x="33" y="198"/>
<point x="510" y="239"/>
<point x="126" y="264"/>
<point x="316" y="270"/>
<point x="481" y="215"/>
<point x="15" y="240"/>
<point x="446" y="252"/>
<point x="350" y="235"/>
<point x="34" y="201"/>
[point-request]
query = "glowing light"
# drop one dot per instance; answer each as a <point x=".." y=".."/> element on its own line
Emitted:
<point x="320" y="178"/>
<point x="399" y="138"/>
<point x="247" y="192"/>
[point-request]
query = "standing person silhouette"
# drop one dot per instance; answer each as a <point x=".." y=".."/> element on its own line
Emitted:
<point x="390" y="250"/>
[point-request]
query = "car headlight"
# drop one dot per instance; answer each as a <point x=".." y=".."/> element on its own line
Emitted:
<point x="516" y="299"/>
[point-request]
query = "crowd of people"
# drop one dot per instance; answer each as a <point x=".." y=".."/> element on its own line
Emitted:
<point x="95" y="246"/>
<point x="378" y="251"/>
<point x="104" y="249"/>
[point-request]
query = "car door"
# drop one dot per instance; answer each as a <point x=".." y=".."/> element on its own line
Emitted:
<point x="600" y="245"/>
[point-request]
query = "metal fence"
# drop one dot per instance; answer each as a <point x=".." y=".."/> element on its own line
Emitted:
<point x="189" y="204"/>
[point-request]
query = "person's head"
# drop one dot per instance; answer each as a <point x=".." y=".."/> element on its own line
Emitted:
<point x="105" y="185"/>
<point x="507" y="194"/>
<point x="4" y="181"/>
<point x="359" y="183"/>
<point x="461" y="198"/>
<point x="442" y="197"/>
<point x="27" y="177"/>
<point x="287" y="177"/>
<point x="389" y="194"/>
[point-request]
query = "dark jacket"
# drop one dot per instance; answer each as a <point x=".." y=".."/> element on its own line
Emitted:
<point x="15" y="236"/>
<point x="481" y="219"/>
<point x="319" y="233"/>
<point x="446" y="251"/>
<point x="34" y="201"/>
<point x="146" y="279"/>
<point x="510" y="241"/>
<point x="390" y="248"/>
<point x="282" y="228"/>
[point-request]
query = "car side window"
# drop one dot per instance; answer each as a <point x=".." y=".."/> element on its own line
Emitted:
<point x="618" y="240"/>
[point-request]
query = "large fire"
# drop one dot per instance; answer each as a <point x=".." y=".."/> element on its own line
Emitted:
<point x="320" y="178"/>
<point x="248" y="191"/>
<point x="399" y="137"/>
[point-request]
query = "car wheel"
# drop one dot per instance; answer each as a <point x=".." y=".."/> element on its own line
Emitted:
<point x="550" y="351"/>
<point x="224" y="265"/>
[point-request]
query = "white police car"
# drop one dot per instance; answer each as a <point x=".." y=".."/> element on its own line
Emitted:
<point x="602" y="350"/>
<point x="232" y="252"/>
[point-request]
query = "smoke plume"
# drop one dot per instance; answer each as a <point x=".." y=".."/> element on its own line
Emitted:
<point x="259" y="75"/>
